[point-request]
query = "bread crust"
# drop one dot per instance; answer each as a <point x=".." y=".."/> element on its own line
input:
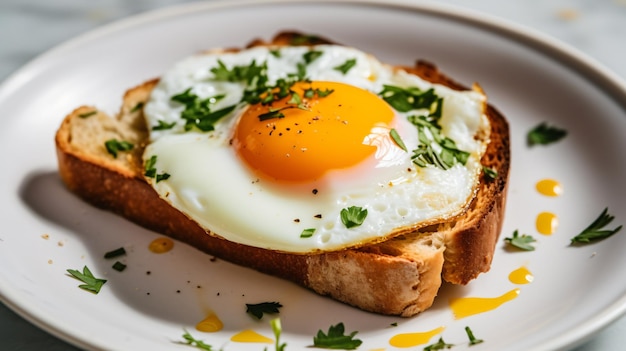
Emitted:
<point x="398" y="277"/>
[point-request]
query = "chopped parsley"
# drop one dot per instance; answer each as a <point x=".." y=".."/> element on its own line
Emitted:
<point x="490" y="172"/>
<point x="91" y="283"/>
<point x="336" y="339"/>
<point x="151" y="172"/>
<point x="257" y="310"/>
<point x="521" y="242"/>
<point x="397" y="139"/>
<point x="544" y="134"/>
<point x="353" y="216"/>
<point x="163" y="126"/>
<point x="137" y="107"/>
<point x="439" y="345"/>
<point x="472" y="338"/>
<point x="276" y="53"/>
<point x="87" y="114"/>
<point x="304" y="39"/>
<point x="428" y="128"/>
<point x="199" y="344"/>
<point x="346" y="66"/>
<point x="115" y="253"/>
<point x="307" y="233"/>
<point x="311" y="56"/>
<point x="114" y="146"/>
<point x="594" y="231"/>
<point x="198" y="112"/>
<point x="119" y="266"/>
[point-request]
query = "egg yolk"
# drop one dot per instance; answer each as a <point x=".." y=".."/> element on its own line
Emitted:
<point x="320" y="126"/>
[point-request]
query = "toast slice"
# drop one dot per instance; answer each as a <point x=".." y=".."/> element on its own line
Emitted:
<point x="400" y="276"/>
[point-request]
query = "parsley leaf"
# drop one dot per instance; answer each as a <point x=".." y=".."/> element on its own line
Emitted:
<point x="92" y="284"/>
<point x="521" y="242"/>
<point x="594" y="231"/>
<point x="353" y="216"/>
<point x="439" y="345"/>
<point x="277" y="329"/>
<point x="544" y="134"/>
<point x="411" y="98"/>
<point x="472" y="338"/>
<point x="311" y="56"/>
<point x="346" y="66"/>
<point x="199" y="344"/>
<point x="163" y="126"/>
<point x="151" y="172"/>
<point x="113" y="146"/>
<point x="276" y="53"/>
<point x="307" y="233"/>
<point x="257" y="310"/>
<point x="397" y="139"/>
<point x="490" y="172"/>
<point x="335" y="339"/>
<point x="87" y="114"/>
<point x="304" y="39"/>
<point x="137" y="107"/>
<point x="198" y="113"/>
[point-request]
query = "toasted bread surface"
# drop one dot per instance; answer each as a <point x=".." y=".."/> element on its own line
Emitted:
<point x="398" y="277"/>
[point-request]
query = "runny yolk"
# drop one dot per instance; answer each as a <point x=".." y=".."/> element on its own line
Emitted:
<point x="413" y="339"/>
<point x="521" y="276"/>
<point x="469" y="306"/>
<point x="300" y="139"/>
<point x="210" y="324"/>
<point x="161" y="245"/>
<point x="549" y="187"/>
<point x="251" y="336"/>
<point x="547" y="223"/>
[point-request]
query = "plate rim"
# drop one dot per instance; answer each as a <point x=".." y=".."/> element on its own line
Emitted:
<point x="589" y="68"/>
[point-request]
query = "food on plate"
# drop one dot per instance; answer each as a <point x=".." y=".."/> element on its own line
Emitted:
<point x="307" y="160"/>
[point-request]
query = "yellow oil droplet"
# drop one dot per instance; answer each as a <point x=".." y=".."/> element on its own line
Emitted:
<point x="161" y="245"/>
<point x="251" y="336"/>
<point x="547" y="223"/>
<point x="521" y="276"/>
<point x="210" y="324"/>
<point x="469" y="306"/>
<point x="413" y="339"/>
<point x="549" y="187"/>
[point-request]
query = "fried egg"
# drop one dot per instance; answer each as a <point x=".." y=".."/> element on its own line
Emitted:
<point x="307" y="149"/>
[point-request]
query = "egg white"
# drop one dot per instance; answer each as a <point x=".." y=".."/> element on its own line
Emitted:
<point x="211" y="185"/>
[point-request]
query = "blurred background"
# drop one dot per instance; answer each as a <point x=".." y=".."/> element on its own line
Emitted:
<point x="30" y="27"/>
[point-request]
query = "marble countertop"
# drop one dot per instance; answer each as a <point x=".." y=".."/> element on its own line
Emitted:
<point x="30" y="27"/>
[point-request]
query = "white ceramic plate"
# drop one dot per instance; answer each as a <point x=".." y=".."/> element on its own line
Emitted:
<point x="575" y="292"/>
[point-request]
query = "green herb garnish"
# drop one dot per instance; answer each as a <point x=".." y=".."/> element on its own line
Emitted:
<point x="257" y="310"/>
<point x="396" y="138"/>
<point x="198" y="112"/>
<point x="304" y="39"/>
<point x="439" y="345"/>
<point x="594" y="231"/>
<point x="307" y="233"/>
<point x="490" y="172"/>
<point x="92" y="284"/>
<point x="521" y="242"/>
<point x="199" y="344"/>
<point x="353" y="216"/>
<point x="151" y="172"/>
<point x="163" y="126"/>
<point x="277" y="329"/>
<point x="115" y="253"/>
<point x="87" y="114"/>
<point x="346" y="66"/>
<point x="472" y="338"/>
<point x="335" y="339"/>
<point x="137" y="107"/>
<point x="411" y="98"/>
<point x="276" y="53"/>
<point x="119" y="266"/>
<point x="311" y="56"/>
<point x="544" y="134"/>
<point x="114" y="146"/>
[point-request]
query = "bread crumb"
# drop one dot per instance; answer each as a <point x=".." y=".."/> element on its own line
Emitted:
<point x="568" y="14"/>
<point x="60" y="243"/>
<point x="45" y="236"/>
<point x="49" y="261"/>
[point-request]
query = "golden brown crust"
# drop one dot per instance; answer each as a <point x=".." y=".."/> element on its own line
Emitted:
<point x="398" y="277"/>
